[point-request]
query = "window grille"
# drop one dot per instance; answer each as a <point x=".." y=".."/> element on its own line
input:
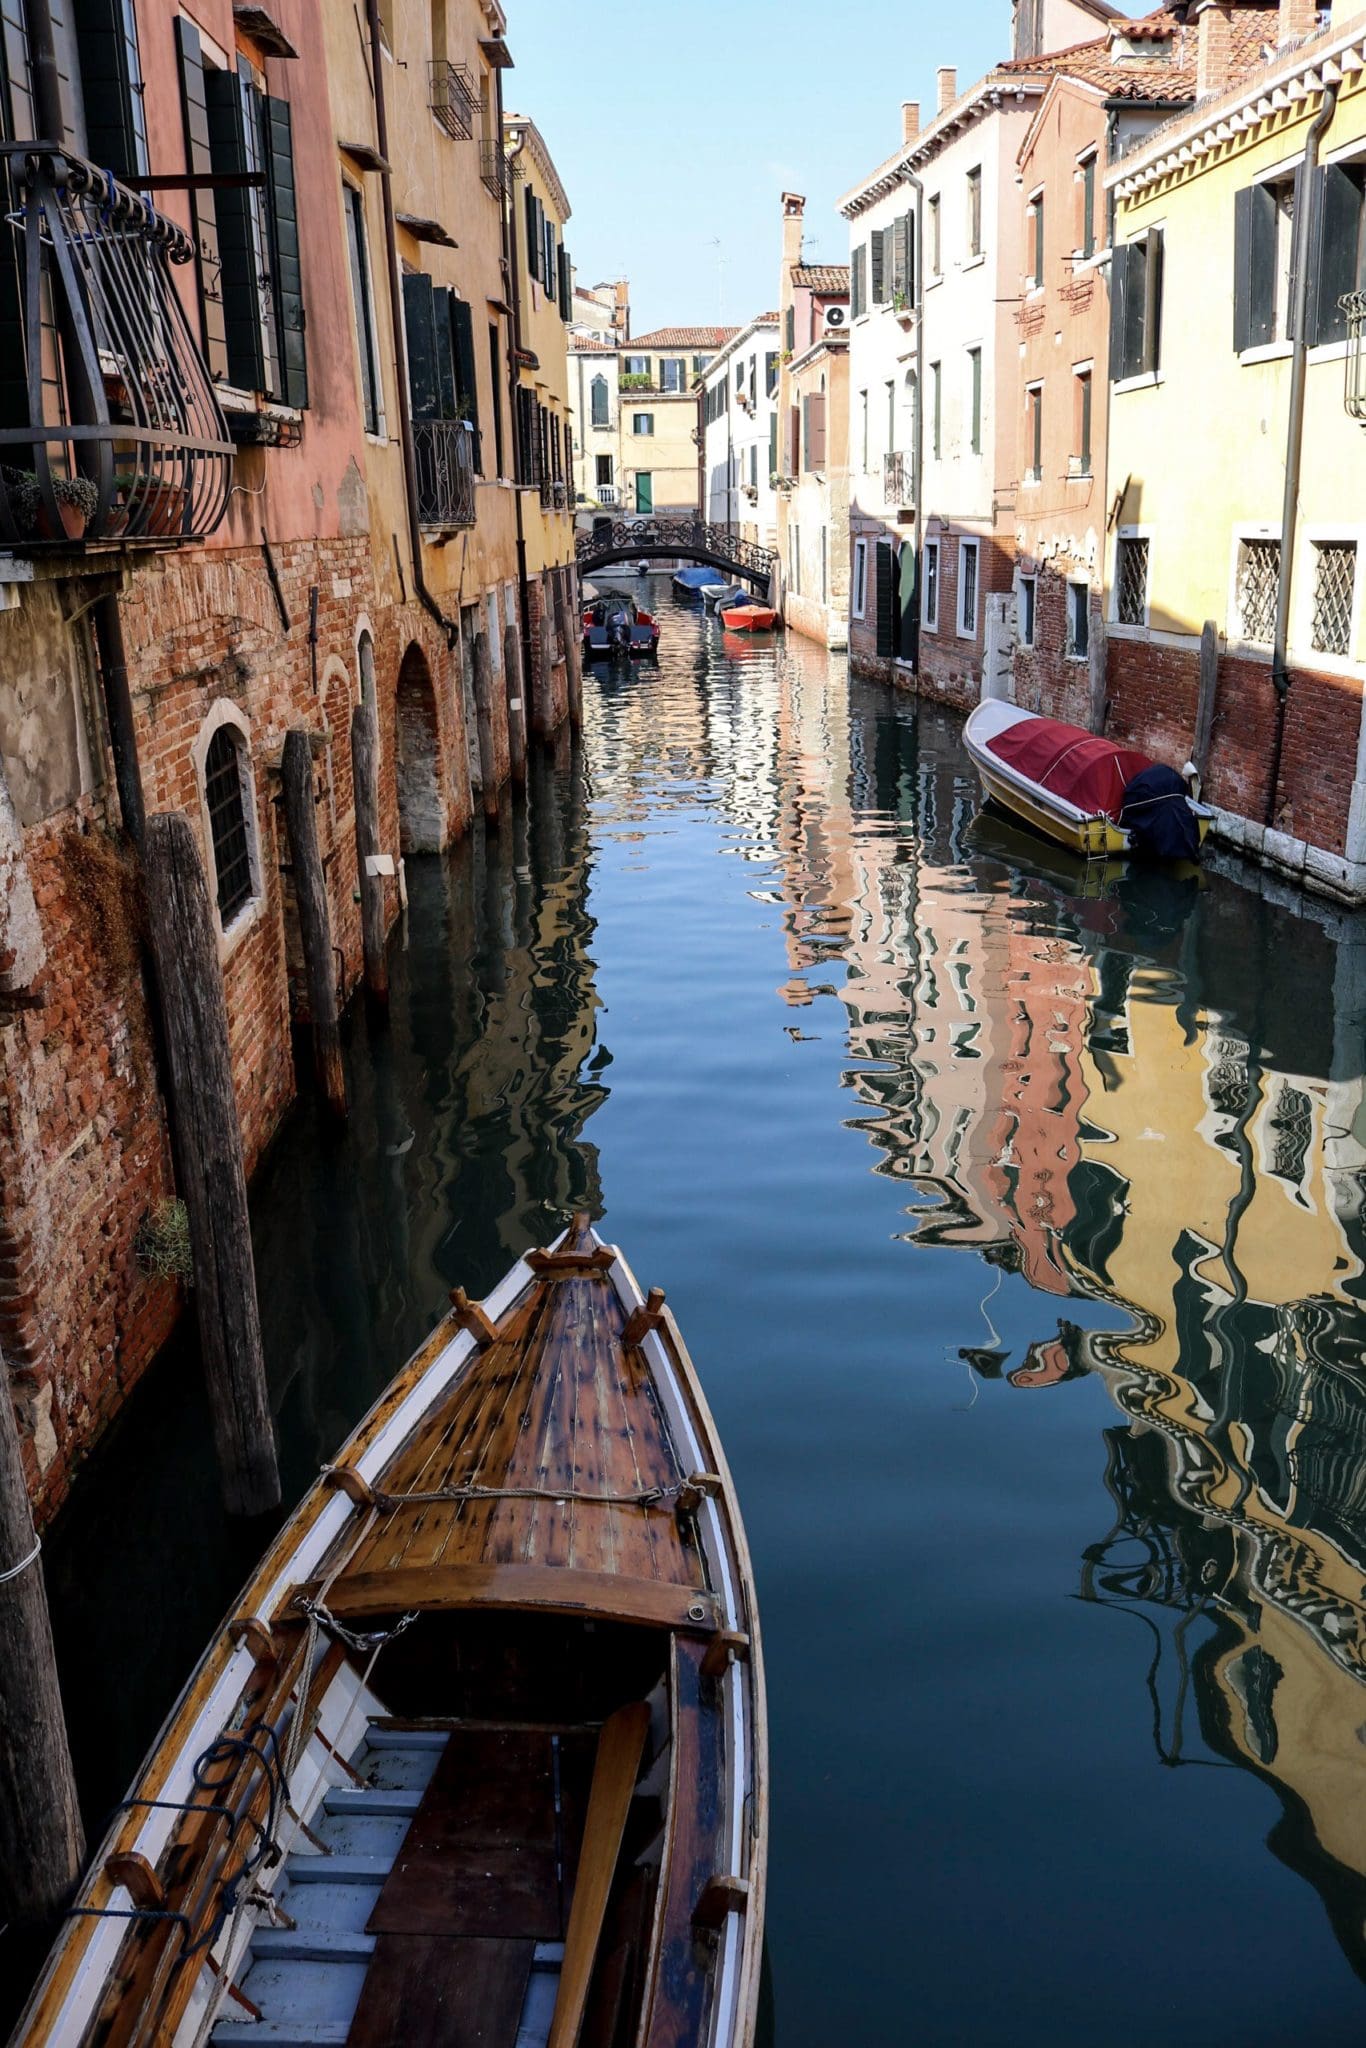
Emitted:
<point x="1131" y="581"/>
<point x="225" y="801"/>
<point x="1353" y="304"/>
<point x="1259" y="569"/>
<point x="1335" y="570"/>
<point x="1292" y="1132"/>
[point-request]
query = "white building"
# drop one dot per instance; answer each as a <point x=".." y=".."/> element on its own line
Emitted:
<point x="594" y="370"/>
<point x="740" y="433"/>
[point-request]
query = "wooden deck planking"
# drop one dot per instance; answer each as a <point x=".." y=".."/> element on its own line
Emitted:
<point x="464" y="1994"/>
<point x="684" y="1970"/>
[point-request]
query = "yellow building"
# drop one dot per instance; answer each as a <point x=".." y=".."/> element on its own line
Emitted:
<point x="636" y="433"/>
<point x="1226" y="305"/>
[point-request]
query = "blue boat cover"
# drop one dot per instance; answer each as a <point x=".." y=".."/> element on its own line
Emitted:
<point x="1157" y="815"/>
<point x="693" y="579"/>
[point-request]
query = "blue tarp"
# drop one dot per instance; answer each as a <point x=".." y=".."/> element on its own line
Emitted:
<point x="693" y="579"/>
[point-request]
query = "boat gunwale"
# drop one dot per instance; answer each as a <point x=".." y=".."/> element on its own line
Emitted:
<point x="1066" y="811"/>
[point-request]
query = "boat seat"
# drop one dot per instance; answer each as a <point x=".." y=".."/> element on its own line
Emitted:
<point x="556" y="1589"/>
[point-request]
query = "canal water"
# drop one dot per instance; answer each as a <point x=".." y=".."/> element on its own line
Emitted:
<point x="1013" y="1213"/>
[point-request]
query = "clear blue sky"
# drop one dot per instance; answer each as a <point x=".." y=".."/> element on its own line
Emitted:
<point x="676" y="126"/>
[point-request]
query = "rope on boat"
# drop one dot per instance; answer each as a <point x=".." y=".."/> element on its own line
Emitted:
<point x="23" y="1563"/>
<point x="654" y="1496"/>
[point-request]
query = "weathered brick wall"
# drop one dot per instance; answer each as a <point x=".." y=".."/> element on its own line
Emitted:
<point x="951" y="666"/>
<point x="1046" y="679"/>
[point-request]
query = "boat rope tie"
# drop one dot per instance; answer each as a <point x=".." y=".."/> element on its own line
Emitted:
<point x="23" y="1564"/>
<point x="652" y="1497"/>
<point x="356" y="1639"/>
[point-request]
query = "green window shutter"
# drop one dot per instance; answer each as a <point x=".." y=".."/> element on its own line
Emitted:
<point x="791" y="342"/>
<point x="236" y="151"/>
<point x="111" y="85"/>
<point x="419" y="322"/>
<point x="444" y="354"/>
<point x="856" y="262"/>
<point x="773" y="444"/>
<point x="908" y="600"/>
<point x="203" y="207"/>
<point x="466" y="375"/>
<point x="16" y="119"/>
<point x="566" y="287"/>
<point x="1335" y="212"/>
<point x="1152" y="323"/>
<point x="877" y="290"/>
<point x="1119" y="308"/>
<point x="286" y="266"/>
<point x="886" y="599"/>
<point x="533" y="253"/>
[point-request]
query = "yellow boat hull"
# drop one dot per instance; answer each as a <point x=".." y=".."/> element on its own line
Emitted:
<point x="1097" y="838"/>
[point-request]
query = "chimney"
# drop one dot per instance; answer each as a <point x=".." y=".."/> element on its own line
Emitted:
<point x="794" y="207"/>
<point x="910" y="120"/>
<point x="1295" y="20"/>
<point x="1214" y="52"/>
<point x="947" y="77"/>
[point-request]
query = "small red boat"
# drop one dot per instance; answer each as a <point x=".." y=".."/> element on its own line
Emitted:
<point x="749" y="618"/>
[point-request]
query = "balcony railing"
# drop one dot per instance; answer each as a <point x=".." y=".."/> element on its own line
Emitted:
<point x="606" y="494"/>
<point x="445" y="473"/>
<point x="494" y="169"/>
<point x="453" y="98"/>
<point x="125" y="438"/>
<point x="898" y="479"/>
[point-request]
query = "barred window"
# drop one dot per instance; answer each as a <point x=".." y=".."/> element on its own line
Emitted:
<point x="1335" y="575"/>
<point x="1259" y="569"/>
<point x="226" y="767"/>
<point x="1131" y="580"/>
<point x="1292" y="1133"/>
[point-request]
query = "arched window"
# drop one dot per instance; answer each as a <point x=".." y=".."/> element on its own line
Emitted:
<point x="599" y="391"/>
<point x="227" y="803"/>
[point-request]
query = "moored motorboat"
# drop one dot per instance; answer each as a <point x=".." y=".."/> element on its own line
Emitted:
<point x="615" y="625"/>
<point x="481" y="1753"/>
<point x="1084" y="791"/>
<point x="748" y="618"/>
<point x="689" y="582"/>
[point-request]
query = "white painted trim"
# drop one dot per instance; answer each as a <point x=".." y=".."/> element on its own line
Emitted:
<point x="1116" y="625"/>
<point x="965" y="542"/>
<point x="928" y="624"/>
<point x="1030" y="576"/>
<point x="1147" y="636"/>
<point x="1147" y="380"/>
<point x="220" y="713"/>
<point x="1235" y="639"/>
<point x="1302" y="608"/>
<point x="1267" y="352"/>
<point x="858" y="593"/>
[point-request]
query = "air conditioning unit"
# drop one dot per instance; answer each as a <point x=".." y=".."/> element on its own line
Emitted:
<point x="836" y="318"/>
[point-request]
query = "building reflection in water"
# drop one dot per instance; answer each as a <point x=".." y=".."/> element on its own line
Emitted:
<point x="1109" y="1083"/>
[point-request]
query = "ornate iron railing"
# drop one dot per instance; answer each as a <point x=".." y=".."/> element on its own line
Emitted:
<point x="494" y="168"/>
<point x="125" y="438"/>
<point x="1354" y="395"/>
<point x="623" y="540"/>
<point x="453" y="98"/>
<point x="898" y="479"/>
<point x="445" y="473"/>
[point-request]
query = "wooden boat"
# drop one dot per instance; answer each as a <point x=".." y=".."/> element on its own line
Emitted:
<point x="481" y="1753"/>
<point x="748" y="618"/>
<point x="615" y="625"/>
<point x="1083" y="791"/>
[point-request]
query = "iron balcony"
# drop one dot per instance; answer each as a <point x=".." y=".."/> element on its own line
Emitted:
<point x="445" y="473"/>
<point x="124" y="439"/>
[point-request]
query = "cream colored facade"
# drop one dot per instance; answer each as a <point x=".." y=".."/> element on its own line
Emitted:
<point x="645" y="457"/>
<point x="543" y="306"/>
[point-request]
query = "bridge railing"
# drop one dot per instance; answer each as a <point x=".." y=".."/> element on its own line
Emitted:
<point x="621" y="538"/>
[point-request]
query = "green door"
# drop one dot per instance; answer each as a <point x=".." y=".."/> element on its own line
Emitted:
<point x="645" y="491"/>
<point x="906" y="593"/>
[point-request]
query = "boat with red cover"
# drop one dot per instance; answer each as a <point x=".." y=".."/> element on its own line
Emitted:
<point x="748" y="618"/>
<point x="1082" y="790"/>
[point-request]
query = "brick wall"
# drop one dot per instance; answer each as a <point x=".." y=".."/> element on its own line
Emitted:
<point x="1046" y="680"/>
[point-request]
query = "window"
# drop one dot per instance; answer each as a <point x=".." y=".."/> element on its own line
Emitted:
<point x="1029" y="586"/>
<point x="1335" y="574"/>
<point x="642" y="423"/>
<point x="878" y="281"/>
<point x="598" y="401"/>
<point x="813" y="431"/>
<point x="1263" y="233"/>
<point x="111" y="86"/>
<point x="903" y="260"/>
<point x="1131" y="580"/>
<point x="1080" y="465"/>
<point x="442" y="380"/>
<point x="1034" y="432"/>
<point x="975" y="397"/>
<point x="671" y="373"/>
<point x="1086" y="206"/>
<point x="929" y="610"/>
<point x="1136" y="307"/>
<point x="637" y="366"/>
<point x="932" y="236"/>
<point x="937" y="408"/>
<point x="770" y="373"/>
<point x="496" y="390"/>
<point x="858" y="281"/>
<point x="974" y="197"/>
<point x="1259" y="572"/>
<point x="968" y="551"/>
<point x="794" y="558"/>
<point x="1034" y="240"/>
<point x="1078" y="621"/>
<point x="891" y="417"/>
<point x="362" y="307"/>
<point x="859" y="595"/>
<point x="602" y="470"/>
<point x="228" y="808"/>
<point x="863" y="429"/>
<point x="699" y="364"/>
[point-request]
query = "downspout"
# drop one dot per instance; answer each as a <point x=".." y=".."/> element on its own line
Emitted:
<point x="918" y="451"/>
<point x="1294" y="434"/>
<point x="514" y="277"/>
<point x="405" y="416"/>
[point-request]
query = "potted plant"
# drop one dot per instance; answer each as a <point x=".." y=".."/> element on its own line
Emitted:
<point x="23" y="497"/>
<point x="77" y="500"/>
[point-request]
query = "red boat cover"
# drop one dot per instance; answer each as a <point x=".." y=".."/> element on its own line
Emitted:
<point x="1075" y="765"/>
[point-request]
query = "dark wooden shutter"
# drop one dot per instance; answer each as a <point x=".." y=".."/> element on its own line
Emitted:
<point x="203" y="209"/>
<point x="64" y="47"/>
<point x="288" y="270"/>
<point x="1151" y="358"/>
<point x="419" y="321"/>
<point x="794" y="438"/>
<point x="566" y="286"/>
<point x="773" y="444"/>
<point x="877" y="286"/>
<point x="903" y="241"/>
<point x="815" y="430"/>
<point x="907" y="600"/>
<point x="1334" y="239"/>
<point x="237" y="145"/>
<point x="886" y="599"/>
<point x="1119" y="294"/>
<point x="444" y="358"/>
<point x="791" y="342"/>
<point x="466" y="374"/>
<point x="111" y="86"/>
<point x="856" y="269"/>
<point x="533" y="252"/>
<point x="16" y="119"/>
<point x="1135" y="307"/>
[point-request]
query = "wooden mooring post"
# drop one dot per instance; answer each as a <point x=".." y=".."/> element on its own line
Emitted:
<point x="543" y="682"/>
<point x="211" y="1171"/>
<point x="571" y="634"/>
<point x="41" y="1840"/>
<point x="315" y="919"/>
<point x="483" y="707"/>
<point x="516" y="689"/>
<point x="365" y="794"/>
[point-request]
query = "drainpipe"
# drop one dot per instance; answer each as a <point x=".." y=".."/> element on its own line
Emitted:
<point x="514" y="277"/>
<point x="1294" y="434"/>
<point x="918" y="451"/>
<point x="405" y="416"/>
